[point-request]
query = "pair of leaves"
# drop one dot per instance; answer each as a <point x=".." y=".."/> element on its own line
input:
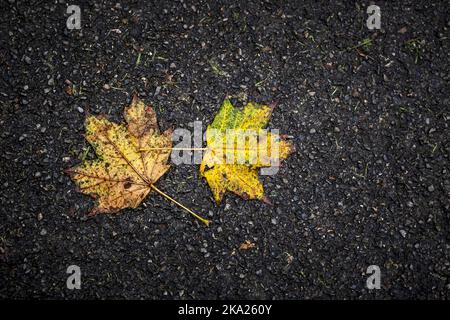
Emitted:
<point x="134" y="155"/>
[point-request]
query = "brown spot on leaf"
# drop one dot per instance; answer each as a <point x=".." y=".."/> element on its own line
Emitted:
<point x="127" y="185"/>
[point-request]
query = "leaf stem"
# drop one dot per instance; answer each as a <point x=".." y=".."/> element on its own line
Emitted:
<point x="205" y="221"/>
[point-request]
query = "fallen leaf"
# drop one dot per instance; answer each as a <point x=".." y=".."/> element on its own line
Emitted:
<point x="226" y="166"/>
<point x="69" y="90"/>
<point x="246" y="245"/>
<point x="123" y="174"/>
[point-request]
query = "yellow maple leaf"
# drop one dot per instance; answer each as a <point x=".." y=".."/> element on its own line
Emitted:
<point x="124" y="172"/>
<point x="237" y="146"/>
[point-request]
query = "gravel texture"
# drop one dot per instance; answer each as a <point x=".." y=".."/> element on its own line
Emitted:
<point x="368" y="185"/>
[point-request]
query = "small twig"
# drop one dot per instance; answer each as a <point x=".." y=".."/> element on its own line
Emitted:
<point x="205" y="221"/>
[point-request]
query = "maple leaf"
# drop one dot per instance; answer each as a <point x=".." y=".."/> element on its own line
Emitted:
<point x="124" y="173"/>
<point x="226" y="165"/>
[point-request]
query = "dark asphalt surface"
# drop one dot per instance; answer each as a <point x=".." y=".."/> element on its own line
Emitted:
<point x="368" y="185"/>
